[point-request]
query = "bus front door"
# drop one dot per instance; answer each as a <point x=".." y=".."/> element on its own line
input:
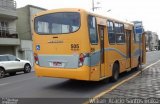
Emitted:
<point x="128" y="48"/>
<point x="101" y="38"/>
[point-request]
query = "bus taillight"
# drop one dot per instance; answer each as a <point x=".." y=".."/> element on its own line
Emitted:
<point x="36" y="58"/>
<point x="81" y="59"/>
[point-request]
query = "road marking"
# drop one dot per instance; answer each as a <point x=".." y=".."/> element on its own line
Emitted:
<point x="22" y="80"/>
<point x="3" y="84"/>
<point x="118" y="84"/>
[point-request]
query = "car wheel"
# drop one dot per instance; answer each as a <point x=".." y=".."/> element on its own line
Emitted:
<point x="115" y="72"/>
<point x="27" y="68"/>
<point x="12" y="74"/>
<point x="2" y="73"/>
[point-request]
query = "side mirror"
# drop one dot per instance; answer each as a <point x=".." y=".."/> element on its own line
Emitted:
<point x="17" y="59"/>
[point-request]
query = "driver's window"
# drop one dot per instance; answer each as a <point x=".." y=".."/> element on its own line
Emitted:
<point x="12" y="58"/>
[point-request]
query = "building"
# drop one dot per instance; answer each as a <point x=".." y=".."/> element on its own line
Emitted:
<point x="152" y="40"/>
<point x="9" y="39"/>
<point x="24" y="29"/>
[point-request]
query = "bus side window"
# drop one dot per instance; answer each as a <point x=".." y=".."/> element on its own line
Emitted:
<point x="92" y="30"/>
<point x="111" y="34"/>
<point x="119" y="30"/>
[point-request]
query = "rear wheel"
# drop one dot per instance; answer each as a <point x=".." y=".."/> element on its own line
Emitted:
<point x="2" y="73"/>
<point x="27" y="68"/>
<point x="115" y="72"/>
<point x="138" y="65"/>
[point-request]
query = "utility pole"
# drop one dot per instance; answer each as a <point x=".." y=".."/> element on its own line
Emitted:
<point x="93" y="5"/>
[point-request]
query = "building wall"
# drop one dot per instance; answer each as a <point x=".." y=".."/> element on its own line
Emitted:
<point x="7" y="50"/>
<point x="24" y="28"/>
<point x="24" y="22"/>
<point x="33" y="10"/>
<point x="12" y="25"/>
<point x="23" y="25"/>
<point x="27" y="53"/>
<point x="152" y="40"/>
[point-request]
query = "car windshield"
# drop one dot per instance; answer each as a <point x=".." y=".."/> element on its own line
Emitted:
<point x="57" y="23"/>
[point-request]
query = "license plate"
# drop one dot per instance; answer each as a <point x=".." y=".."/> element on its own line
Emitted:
<point x="56" y="64"/>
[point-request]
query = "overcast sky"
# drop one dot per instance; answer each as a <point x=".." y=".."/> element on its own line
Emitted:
<point x="147" y="11"/>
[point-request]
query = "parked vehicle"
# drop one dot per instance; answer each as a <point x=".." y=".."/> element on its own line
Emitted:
<point x="11" y="64"/>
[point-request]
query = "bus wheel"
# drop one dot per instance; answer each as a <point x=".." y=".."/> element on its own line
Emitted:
<point x="138" y="65"/>
<point x="115" y="72"/>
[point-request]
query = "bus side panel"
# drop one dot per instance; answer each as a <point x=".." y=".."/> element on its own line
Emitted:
<point x="117" y="53"/>
<point x="95" y="73"/>
<point x="108" y="67"/>
<point x="134" y="52"/>
<point x="95" y="63"/>
<point x="135" y="55"/>
<point x="143" y="48"/>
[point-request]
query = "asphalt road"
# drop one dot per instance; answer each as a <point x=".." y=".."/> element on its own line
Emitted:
<point x="29" y="86"/>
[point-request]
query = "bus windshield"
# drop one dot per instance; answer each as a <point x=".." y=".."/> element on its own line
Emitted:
<point x="57" y="23"/>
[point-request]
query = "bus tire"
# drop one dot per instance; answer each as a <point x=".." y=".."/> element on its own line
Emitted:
<point x="115" y="72"/>
<point x="138" y="65"/>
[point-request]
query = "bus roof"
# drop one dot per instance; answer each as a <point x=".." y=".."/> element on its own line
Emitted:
<point x="110" y="18"/>
<point x="80" y="10"/>
<point x="60" y="10"/>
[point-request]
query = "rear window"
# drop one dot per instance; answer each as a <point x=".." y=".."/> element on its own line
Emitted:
<point x="57" y="23"/>
<point x="3" y="58"/>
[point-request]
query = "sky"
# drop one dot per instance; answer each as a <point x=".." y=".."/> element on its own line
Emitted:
<point x="147" y="11"/>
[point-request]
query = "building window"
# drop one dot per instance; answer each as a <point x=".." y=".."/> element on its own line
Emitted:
<point x="111" y="34"/>
<point x="3" y="25"/>
<point x="92" y="25"/>
<point x="119" y="30"/>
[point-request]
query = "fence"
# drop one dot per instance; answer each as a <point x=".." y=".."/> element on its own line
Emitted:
<point x="8" y="33"/>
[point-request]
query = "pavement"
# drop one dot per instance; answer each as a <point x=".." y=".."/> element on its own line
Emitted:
<point x="145" y="85"/>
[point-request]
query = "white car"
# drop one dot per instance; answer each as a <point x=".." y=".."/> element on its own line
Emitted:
<point x="11" y="64"/>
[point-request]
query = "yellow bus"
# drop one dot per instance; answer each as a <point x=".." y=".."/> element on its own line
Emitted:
<point x="76" y="44"/>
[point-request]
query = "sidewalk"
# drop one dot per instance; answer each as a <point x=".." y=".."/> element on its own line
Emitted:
<point x="146" y="85"/>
